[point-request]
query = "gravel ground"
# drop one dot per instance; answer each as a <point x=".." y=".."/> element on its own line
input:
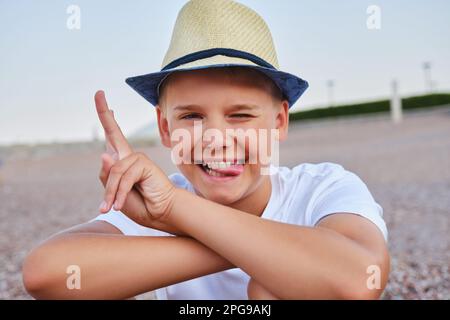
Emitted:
<point x="406" y="167"/>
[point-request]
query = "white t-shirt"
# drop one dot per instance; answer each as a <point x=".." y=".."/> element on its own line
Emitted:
<point x="301" y="195"/>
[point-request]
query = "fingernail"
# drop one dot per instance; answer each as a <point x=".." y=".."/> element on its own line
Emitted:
<point x="115" y="206"/>
<point x="102" y="206"/>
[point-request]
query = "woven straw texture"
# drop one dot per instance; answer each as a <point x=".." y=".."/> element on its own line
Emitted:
<point x="208" y="24"/>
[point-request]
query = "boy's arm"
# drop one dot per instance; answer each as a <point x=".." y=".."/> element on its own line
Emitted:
<point x="290" y="261"/>
<point x="114" y="266"/>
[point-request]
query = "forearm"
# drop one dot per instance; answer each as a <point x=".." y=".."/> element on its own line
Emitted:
<point x="292" y="262"/>
<point x="116" y="266"/>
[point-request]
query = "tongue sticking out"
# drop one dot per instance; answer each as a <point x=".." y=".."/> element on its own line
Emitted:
<point x="233" y="170"/>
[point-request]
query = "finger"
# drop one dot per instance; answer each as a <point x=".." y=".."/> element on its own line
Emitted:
<point x="108" y="160"/>
<point x="129" y="178"/>
<point x="109" y="148"/>
<point x="115" y="174"/>
<point x="107" y="163"/>
<point x="110" y="126"/>
<point x="134" y="204"/>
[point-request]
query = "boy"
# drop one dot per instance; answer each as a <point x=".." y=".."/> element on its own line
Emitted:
<point x="222" y="228"/>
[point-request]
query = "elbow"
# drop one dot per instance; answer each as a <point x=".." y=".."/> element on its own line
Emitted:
<point x="34" y="275"/>
<point x="37" y="274"/>
<point x="366" y="285"/>
<point x="359" y="293"/>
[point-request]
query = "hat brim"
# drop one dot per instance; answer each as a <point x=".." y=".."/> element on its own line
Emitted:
<point x="147" y="85"/>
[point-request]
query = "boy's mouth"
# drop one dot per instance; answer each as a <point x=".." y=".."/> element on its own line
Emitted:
<point x="221" y="169"/>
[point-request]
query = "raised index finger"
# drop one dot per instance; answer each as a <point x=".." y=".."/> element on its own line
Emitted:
<point x="112" y="129"/>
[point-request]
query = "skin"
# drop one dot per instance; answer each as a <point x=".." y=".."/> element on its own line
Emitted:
<point x="284" y="261"/>
<point x="220" y="106"/>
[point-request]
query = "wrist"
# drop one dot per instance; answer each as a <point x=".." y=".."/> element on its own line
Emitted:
<point x="181" y="213"/>
<point x="174" y="199"/>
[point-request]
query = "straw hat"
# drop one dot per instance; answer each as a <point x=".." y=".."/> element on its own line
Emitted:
<point x="214" y="34"/>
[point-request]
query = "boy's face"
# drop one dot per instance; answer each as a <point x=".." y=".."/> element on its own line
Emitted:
<point x="219" y="99"/>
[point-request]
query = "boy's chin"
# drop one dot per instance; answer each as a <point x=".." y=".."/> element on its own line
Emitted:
<point x="224" y="198"/>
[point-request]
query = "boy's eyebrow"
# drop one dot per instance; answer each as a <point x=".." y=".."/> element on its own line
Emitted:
<point x="234" y="107"/>
<point x="187" y="107"/>
<point x="244" y="107"/>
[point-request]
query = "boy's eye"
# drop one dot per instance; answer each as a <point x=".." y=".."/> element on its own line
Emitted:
<point x="241" y="115"/>
<point x="191" y="116"/>
<point x="198" y="116"/>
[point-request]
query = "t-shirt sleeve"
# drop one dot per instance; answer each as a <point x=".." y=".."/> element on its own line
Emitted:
<point x="349" y="194"/>
<point x="127" y="226"/>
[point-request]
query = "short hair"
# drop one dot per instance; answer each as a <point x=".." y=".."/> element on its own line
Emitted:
<point x="258" y="78"/>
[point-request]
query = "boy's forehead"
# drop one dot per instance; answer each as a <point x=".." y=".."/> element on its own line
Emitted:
<point x="216" y="74"/>
<point x="220" y="78"/>
<point x="200" y="91"/>
<point x="192" y="84"/>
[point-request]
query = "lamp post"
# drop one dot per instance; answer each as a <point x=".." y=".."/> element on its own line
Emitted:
<point x="396" y="103"/>
<point x="330" y="88"/>
<point x="427" y="76"/>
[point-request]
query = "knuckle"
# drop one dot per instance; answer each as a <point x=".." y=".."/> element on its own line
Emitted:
<point x="125" y="182"/>
<point x="109" y="193"/>
<point x="143" y="158"/>
<point x="140" y="155"/>
<point x="116" y="169"/>
<point x="109" y="198"/>
<point x="128" y="159"/>
<point x="122" y="193"/>
<point x="109" y="131"/>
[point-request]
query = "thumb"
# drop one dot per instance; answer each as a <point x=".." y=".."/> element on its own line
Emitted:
<point x="107" y="163"/>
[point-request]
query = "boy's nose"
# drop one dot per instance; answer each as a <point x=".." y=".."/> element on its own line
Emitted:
<point x="217" y="139"/>
<point x="215" y="135"/>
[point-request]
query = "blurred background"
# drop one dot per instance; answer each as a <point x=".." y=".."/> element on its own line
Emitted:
<point x="378" y="104"/>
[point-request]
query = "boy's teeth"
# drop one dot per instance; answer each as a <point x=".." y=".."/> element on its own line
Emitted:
<point x="218" y="165"/>
<point x="221" y="164"/>
<point x="210" y="167"/>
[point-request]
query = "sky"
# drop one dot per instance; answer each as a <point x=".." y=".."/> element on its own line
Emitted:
<point x="49" y="72"/>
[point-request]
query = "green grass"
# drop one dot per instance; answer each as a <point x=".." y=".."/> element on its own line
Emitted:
<point x="415" y="102"/>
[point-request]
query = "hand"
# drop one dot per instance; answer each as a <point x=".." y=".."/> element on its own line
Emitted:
<point x="133" y="183"/>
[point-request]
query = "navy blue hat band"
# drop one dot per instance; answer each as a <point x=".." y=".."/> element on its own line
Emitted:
<point x="218" y="51"/>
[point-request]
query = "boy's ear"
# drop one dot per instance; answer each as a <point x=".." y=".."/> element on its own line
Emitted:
<point x="282" y="120"/>
<point x="163" y="128"/>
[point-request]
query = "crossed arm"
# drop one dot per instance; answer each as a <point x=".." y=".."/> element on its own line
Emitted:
<point x="114" y="266"/>
<point x="284" y="261"/>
